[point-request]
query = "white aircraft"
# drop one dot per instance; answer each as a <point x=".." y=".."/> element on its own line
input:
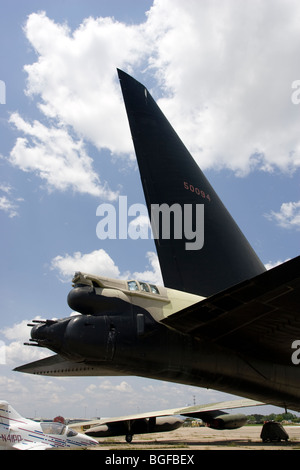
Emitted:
<point x="18" y="433"/>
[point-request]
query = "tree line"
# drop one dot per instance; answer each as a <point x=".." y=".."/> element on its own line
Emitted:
<point x="260" y="419"/>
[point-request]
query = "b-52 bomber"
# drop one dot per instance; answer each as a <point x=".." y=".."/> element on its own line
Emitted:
<point x="222" y="321"/>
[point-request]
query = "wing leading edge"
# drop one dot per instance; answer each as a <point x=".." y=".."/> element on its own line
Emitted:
<point x="57" y="366"/>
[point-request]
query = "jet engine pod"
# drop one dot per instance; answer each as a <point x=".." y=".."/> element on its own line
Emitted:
<point x="228" y="421"/>
<point x="167" y="423"/>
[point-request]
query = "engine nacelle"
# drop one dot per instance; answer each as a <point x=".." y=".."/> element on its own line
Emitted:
<point x="227" y="421"/>
<point x="166" y="423"/>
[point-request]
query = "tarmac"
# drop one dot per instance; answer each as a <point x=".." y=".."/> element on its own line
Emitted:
<point x="202" y="438"/>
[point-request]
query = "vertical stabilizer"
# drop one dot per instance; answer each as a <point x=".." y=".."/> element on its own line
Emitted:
<point x="7" y="413"/>
<point x="220" y="256"/>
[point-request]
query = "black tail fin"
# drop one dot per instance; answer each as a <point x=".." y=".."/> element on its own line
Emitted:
<point x="170" y="176"/>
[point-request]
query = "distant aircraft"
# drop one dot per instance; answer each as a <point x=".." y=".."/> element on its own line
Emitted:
<point x="18" y="433"/>
<point x="169" y="420"/>
<point x="222" y="321"/>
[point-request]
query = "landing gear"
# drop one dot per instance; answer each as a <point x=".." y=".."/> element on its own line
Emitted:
<point x="128" y="438"/>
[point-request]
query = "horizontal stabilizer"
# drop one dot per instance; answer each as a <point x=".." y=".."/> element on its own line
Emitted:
<point x="58" y="366"/>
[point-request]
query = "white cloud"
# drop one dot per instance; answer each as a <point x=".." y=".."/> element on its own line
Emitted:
<point x="107" y="386"/>
<point x="97" y="262"/>
<point x="9" y="204"/>
<point x="288" y="216"/>
<point x="152" y="273"/>
<point x="15" y="350"/>
<point x="6" y="188"/>
<point x="225" y="70"/>
<point x="75" y="75"/>
<point x="8" y="385"/>
<point x="137" y="395"/>
<point x="57" y="158"/>
<point x="273" y="264"/>
<point x="16" y="332"/>
<point x="110" y="391"/>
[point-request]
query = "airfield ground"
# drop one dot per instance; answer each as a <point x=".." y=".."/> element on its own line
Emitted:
<point x="203" y="438"/>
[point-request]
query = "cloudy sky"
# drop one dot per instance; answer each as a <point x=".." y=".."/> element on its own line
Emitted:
<point x="226" y="74"/>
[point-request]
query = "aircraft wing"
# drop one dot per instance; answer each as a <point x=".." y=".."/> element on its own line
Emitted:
<point x="263" y="311"/>
<point x="31" y="446"/>
<point x="187" y="411"/>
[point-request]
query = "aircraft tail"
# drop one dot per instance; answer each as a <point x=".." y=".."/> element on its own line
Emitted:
<point x="8" y="413"/>
<point x="203" y="251"/>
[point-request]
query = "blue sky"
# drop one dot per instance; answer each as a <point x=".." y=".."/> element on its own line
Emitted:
<point x="223" y="76"/>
